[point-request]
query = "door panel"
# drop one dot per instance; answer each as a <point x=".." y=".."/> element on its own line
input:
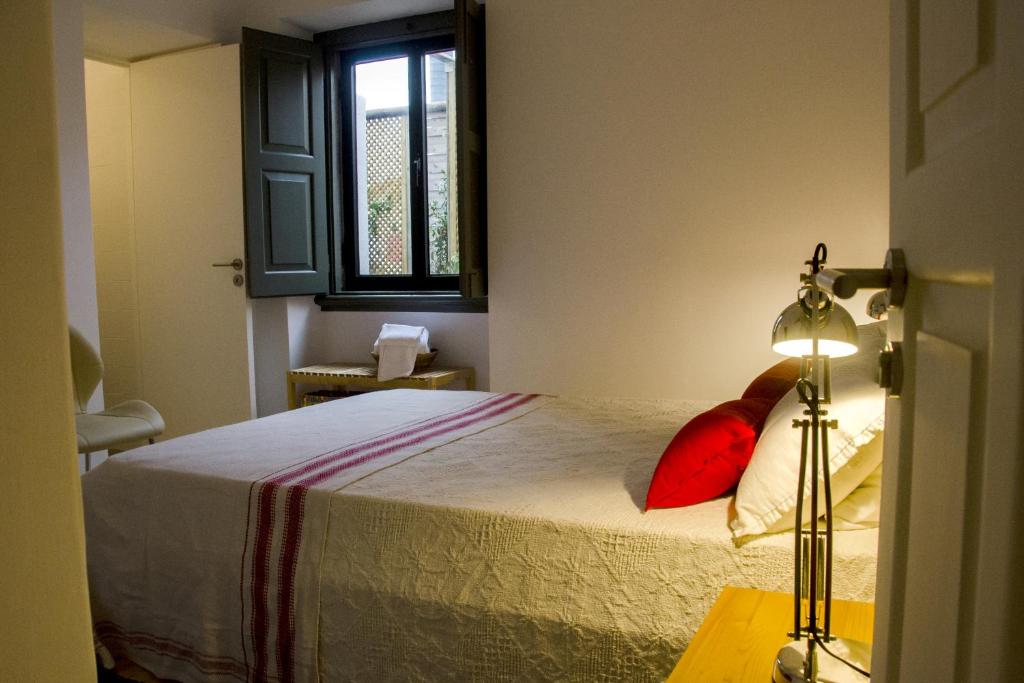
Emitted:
<point x="194" y="322"/>
<point x="942" y="421"/>
<point x="949" y="586"/>
<point x="949" y="37"/>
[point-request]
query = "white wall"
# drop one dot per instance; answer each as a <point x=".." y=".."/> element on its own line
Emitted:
<point x="658" y="177"/>
<point x="461" y="338"/>
<point x="44" y="604"/>
<point x="294" y="332"/>
<point x="271" y="354"/>
<point x="108" y="114"/>
<point x="79" y="261"/>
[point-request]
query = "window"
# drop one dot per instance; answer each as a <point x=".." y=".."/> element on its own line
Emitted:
<point x="365" y="164"/>
<point x="398" y="116"/>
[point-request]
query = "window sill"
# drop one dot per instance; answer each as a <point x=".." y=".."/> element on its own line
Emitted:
<point x="406" y="303"/>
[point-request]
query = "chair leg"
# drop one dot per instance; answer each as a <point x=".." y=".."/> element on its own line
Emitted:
<point x="88" y="461"/>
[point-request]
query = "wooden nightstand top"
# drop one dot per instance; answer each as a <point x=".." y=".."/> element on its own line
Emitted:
<point x="361" y="372"/>
<point x="744" y="630"/>
<point x="365" y="376"/>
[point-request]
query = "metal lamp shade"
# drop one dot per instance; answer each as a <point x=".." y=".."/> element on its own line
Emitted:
<point x="837" y="334"/>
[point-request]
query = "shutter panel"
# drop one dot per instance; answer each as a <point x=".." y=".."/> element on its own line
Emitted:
<point x="471" y="148"/>
<point x="285" y="167"/>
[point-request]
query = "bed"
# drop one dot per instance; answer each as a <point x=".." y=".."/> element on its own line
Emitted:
<point x="415" y="535"/>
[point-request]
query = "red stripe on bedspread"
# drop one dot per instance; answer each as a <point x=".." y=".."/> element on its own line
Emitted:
<point x="309" y="475"/>
<point x="327" y="459"/>
<point x="323" y="475"/>
<point x="260" y="532"/>
<point x="260" y="574"/>
<point x="294" y="506"/>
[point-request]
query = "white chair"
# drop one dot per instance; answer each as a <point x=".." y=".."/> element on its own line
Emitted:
<point x="120" y="427"/>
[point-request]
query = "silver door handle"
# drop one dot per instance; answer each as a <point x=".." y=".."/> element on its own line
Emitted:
<point x="237" y="264"/>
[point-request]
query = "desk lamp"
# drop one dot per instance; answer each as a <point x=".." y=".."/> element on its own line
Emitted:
<point x="815" y="329"/>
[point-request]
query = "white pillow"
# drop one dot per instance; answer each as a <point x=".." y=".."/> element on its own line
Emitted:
<point x="766" y="495"/>
<point x="862" y="508"/>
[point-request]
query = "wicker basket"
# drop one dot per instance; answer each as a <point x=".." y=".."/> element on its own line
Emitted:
<point x="423" y="360"/>
<point x="324" y="395"/>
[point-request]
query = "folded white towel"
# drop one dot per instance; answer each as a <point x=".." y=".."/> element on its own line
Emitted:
<point x="398" y="346"/>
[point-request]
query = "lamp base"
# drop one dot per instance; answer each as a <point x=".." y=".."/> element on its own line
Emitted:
<point x="789" y="663"/>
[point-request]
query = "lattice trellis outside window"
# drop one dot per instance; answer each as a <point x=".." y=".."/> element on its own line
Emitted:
<point x="387" y="196"/>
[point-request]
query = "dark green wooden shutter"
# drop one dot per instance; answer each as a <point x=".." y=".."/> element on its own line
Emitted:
<point x="285" y="167"/>
<point x="471" y="148"/>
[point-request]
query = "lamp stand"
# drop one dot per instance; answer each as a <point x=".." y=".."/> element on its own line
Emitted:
<point x="790" y="663"/>
<point x="815" y="655"/>
<point x="805" y="659"/>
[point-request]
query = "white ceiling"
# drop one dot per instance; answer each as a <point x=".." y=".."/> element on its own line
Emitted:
<point x="111" y="35"/>
<point x="339" y="14"/>
<point x="129" y="30"/>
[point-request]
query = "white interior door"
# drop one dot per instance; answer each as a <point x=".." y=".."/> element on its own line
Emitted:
<point x="951" y="565"/>
<point x="195" y="323"/>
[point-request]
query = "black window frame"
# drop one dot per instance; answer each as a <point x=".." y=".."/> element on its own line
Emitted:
<point x="349" y="279"/>
<point x="466" y="24"/>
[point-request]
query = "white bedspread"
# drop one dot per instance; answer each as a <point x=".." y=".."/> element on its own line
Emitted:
<point x="516" y="551"/>
<point x="205" y="551"/>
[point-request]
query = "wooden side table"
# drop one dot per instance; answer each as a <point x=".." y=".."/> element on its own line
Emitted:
<point x="365" y="376"/>
<point x="746" y="628"/>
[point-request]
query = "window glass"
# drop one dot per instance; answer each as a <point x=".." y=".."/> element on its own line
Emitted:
<point x="442" y="217"/>
<point x="382" y="167"/>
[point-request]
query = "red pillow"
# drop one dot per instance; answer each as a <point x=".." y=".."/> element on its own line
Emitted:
<point x="776" y="381"/>
<point x="708" y="455"/>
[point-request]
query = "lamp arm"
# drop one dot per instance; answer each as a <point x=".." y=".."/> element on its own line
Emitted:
<point x="845" y="282"/>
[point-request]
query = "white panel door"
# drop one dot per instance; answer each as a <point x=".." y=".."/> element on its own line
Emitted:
<point x="195" y="322"/>
<point x="951" y="563"/>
